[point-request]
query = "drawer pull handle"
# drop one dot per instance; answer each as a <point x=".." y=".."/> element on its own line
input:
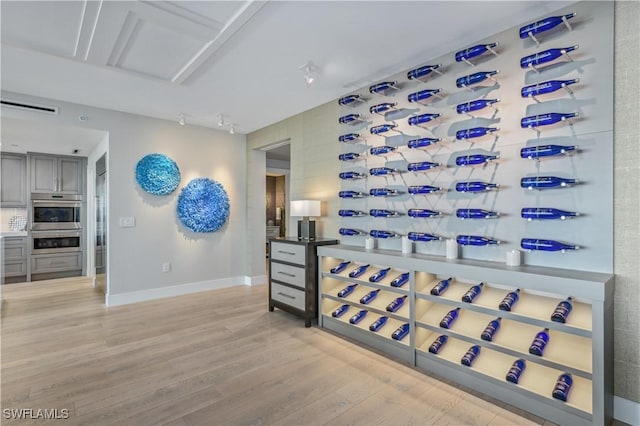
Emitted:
<point x="286" y="252"/>
<point x="286" y="295"/>
<point x="287" y="274"/>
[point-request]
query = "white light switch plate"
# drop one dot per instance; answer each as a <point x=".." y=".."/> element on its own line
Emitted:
<point x="127" y="222"/>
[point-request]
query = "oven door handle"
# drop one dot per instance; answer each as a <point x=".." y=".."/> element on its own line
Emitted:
<point x="56" y="203"/>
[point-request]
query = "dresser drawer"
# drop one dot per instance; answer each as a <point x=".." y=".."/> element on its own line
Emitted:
<point x="292" y="253"/>
<point x="288" y="295"/>
<point x="288" y="274"/>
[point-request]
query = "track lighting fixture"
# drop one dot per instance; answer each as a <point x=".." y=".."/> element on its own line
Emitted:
<point x="181" y="119"/>
<point x="232" y="129"/>
<point x="309" y="70"/>
<point x="220" y="119"/>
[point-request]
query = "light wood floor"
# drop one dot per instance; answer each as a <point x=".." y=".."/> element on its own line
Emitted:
<point x="213" y="358"/>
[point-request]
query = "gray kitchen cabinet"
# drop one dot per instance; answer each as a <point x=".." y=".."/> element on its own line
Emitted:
<point x="57" y="174"/>
<point x="14" y="259"/>
<point x="14" y="180"/>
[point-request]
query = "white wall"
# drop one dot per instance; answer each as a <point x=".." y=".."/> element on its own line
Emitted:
<point x="136" y="254"/>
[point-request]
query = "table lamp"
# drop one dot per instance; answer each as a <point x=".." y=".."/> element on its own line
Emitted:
<point x="306" y="208"/>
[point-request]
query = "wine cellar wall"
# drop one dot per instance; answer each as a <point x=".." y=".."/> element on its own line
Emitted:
<point x="539" y="133"/>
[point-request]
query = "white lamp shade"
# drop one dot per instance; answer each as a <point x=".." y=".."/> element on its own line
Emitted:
<point x="305" y="208"/>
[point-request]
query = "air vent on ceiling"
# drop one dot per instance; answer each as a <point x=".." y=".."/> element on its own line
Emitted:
<point x="47" y="109"/>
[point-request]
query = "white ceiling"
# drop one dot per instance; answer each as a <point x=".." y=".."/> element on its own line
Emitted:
<point x="238" y="58"/>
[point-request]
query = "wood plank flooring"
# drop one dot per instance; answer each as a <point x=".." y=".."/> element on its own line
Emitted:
<point x="212" y="358"/>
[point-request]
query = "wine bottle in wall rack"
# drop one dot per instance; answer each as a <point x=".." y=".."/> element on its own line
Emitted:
<point x="472" y="293"/>
<point x="475" y="159"/>
<point x="539" y="342"/>
<point x="441" y="287"/>
<point x="351" y="175"/>
<point x="451" y="316"/>
<point x="378" y="324"/>
<point x="350" y="100"/>
<point x="417" y="120"/>
<point x="400" y="280"/>
<point x="347" y="290"/>
<point x="548" y="213"/>
<point x="423" y="189"/>
<point x="382" y="88"/>
<point x="422" y="166"/>
<point x="382" y="150"/>
<point x="537" y="152"/>
<point x="349" y="156"/>
<point x="383" y="213"/>
<point x="562" y="311"/>
<point x="383" y="128"/>
<point x="546" y="87"/>
<point x="547" y="119"/>
<point x="422" y="95"/>
<point x="349" y="119"/>
<point x="475" y="78"/>
<point x="562" y="387"/>
<point x="396" y="304"/>
<point x="477" y="105"/>
<point x="437" y="344"/>
<point x="509" y="300"/>
<point x="475" y="132"/>
<point x="358" y="316"/>
<point x="424" y="237"/>
<point x="349" y="137"/>
<point x="546" y="182"/>
<point x="476" y="240"/>
<point x="382" y="108"/>
<point x="470" y="356"/>
<point x="369" y="297"/>
<point x="545" y="56"/>
<point x="379" y="233"/>
<point x="546" y="245"/>
<point x="351" y="194"/>
<point x="349" y="232"/>
<point x="400" y="332"/>
<point x="423" y="213"/>
<point x="476" y="186"/>
<point x="491" y="329"/>
<point x="351" y="213"/>
<point x="474" y="51"/>
<point x="340" y="311"/>
<point x="476" y="214"/>
<point x="423" y="71"/>
<point x="543" y="25"/>
<point x="340" y="267"/>
<point x="359" y="271"/>
<point x="383" y="171"/>
<point x="422" y="142"/>
<point x="379" y="276"/>
<point x="383" y="192"/>
<point x="518" y="366"/>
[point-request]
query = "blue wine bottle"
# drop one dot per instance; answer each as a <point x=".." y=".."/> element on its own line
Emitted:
<point x="539" y="342"/>
<point x="422" y="166"/>
<point x="349" y="119"/>
<point x="396" y="304"/>
<point x="382" y="150"/>
<point x="381" y="88"/>
<point x="475" y="159"/>
<point x="383" y="128"/>
<point x="400" y="280"/>
<point x="475" y="51"/>
<point x="470" y="356"/>
<point x="400" y="332"/>
<point x="451" y="316"/>
<point x="491" y="329"/>
<point x="423" y="189"/>
<point x="423" y="213"/>
<point x="351" y="213"/>
<point x="379" y="233"/>
<point x="562" y="311"/>
<point x="476" y="186"/>
<point x="382" y="108"/>
<point x="358" y="317"/>
<point x="509" y="300"/>
<point x="422" y="95"/>
<point x="351" y="194"/>
<point x="358" y="271"/>
<point x="349" y="232"/>
<point x="349" y="156"/>
<point x="543" y="25"/>
<point x="438" y="344"/>
<point x="368" y="298"/>
<point x="518" y="366"/>
<point x="472" y="293"/>
<point x="378" y="324"/>
<point x="546" y="87"/>
<point x="475" y="240"/>
<point x="474" y="78"/>
<point x="545" y="56"/>
<point x="383" y="171"/>
<point x="546" y="245"/>
<point x="347" y="290"/>
<point x="383" y="213"/>
<point x="441" y="287"/>
<point x="546" y="182"/>
<point x="475" y="132"/>
<point x="476" y="105"/>
<point x="416" y="120"/>
<point x="531" y="213"/>
<point x="422" y="237"/>
<point x="340" y="311"/>
<point x="562" y="387"/>
<point x="383" y="192"/>
<point x="349" y="100"/>
<point x="351" y="175"/>
<point x="423" y="71"/>
<point x="422" y="142"/>
<point x="535" y="152"/>
<point x="547" y="119"/>
<point x="379" y="276"/>
<point x="476" y="214"/>
<point x="349" y="137"/>
<point x="340" y="267"/>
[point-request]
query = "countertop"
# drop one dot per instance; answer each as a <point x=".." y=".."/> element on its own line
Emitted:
<point x="13" y="234"/>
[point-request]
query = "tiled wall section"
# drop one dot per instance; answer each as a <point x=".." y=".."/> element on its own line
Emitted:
<point x="627" y="201"/>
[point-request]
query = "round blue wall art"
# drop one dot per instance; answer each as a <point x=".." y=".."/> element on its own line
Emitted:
<point x="203" y="205"/>
<point x="157" y="174"/>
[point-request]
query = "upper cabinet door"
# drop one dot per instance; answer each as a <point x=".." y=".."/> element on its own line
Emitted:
<point x="57" y="174"/>
<point x="44" y="173"/>
<point x="70" y="175"/>
<point x="14" y="180"/>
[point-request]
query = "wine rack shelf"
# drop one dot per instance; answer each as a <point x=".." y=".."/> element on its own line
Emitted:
<point x="582" y="346"/>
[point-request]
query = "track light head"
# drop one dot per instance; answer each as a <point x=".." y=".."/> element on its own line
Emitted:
<point x="309" y="69"/>
<point x="220" y="119"/>
<point x="181" y="120"/>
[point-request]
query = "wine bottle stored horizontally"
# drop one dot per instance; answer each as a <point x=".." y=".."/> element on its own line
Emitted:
<point x="546" y="182"/>
<point x="476" y="214"/>
<point x="351" y="175"/>
<point x="383" y="213"/>
<point x="539" y="342"/>
<point x="382" y="108"/>
<point x="349" y="118"/>
<point x="417" y="120"/>
<point x="475" y="78"/>
<point x="423" y="189"/>
<point x="514" y="373"/>
<point x="537" y="152"/>
<point x="340" y="311"/>
<point x="474" y="51"/>
<point x="422" y="166"/>
<point x="477" y="105"/>
<point x="509" y="300"/>
<point x="396" y="304"/>
<point x="349" y="232"/>
<point x="491" y="329"/>
<point x="476" y="240"/>
<point x="423" y="213"/>
<point x="347" y="290"/>
<point x="545" y="56"/>
<point x="340" y="267"/>
<point x="472" y="293"/>
<point x="358" y="317"/>
<point x="349" y="137"/>
<point x="562" y="387"/>
<point x="382" y="128"/>
<point x="400" y="280"/>
<point x="416" y="74"/>
<point x="546" y="87"/>
<point x="359" y="271"/>
<point x="422" y="142"/>
<point x="383" y="192"/>
<point x="476" y="186"/>
<point x="351" y="213"/>
<point x="543" y="25"/>
<point x="401" y="332"/>
<point x="382" y="88"/>
<point x="349" y="100"/>
<point x="349" y="156"/>
<point x="470" y="355"/>
<point x="383" y="171"/>
<point x="451" y="316"/>
<point x="475" y="159"/>
<point x="441" y="287"/>
<point x="379" y="276"/>
<point x="437" y="344"/>
<point x="380" y="233"/>
<point x="475" y="132"/>
<point x="546" y="213"/>
<point x="422" y="95"/>
<point x="378" y="324"/>
<point x="423" y="237"/>
<point x="546" y="245"/>
<point x="382" y="150"/>
<point x="369" y="297"/>
<point x="562" y="311"/>
<point x="351" y="194"/>
<point x="547" y="119"/>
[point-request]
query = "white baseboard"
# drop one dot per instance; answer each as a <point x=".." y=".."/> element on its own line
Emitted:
<point x="626" y="411"/>
<point x="175" y="290"/>
<point x="256" y="280"/>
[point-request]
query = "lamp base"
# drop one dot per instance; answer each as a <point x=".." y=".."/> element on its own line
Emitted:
<point x="306" y="229"/>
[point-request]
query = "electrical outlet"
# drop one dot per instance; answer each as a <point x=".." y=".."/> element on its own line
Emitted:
<point x="127" y="222"/>
<point x="166" y="267"/>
